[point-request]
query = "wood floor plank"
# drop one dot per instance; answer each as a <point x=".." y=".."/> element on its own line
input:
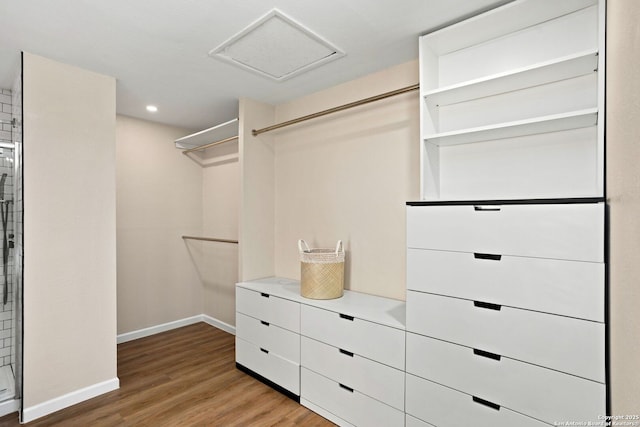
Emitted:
<point x="183" y="377"/>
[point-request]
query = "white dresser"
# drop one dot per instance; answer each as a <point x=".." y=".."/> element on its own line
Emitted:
<point x="268" y="337"/>
<point x="342" y="358"/>
<point x="506" y="250"/>
<point x="505" y="312"/>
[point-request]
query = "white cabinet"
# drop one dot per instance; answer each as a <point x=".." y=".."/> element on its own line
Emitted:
<point x="570" y="288"/>
<point x="524" y="332"/>
<point x="269" y="365"/>
<point x="267" y="337"/>
<point x="369" y="377"/>
<point x="509" y="381"/>
<point x="353" y="360"/>
<point x="269" y="308"/>
<point x="443" y="406"/>
<point x="513" y="99"/>
<point x="342" y="358"/>
<point x="350" y="405"/>
<point x="569" y="231"/>
<point x="570" y="345"/>
<point x="506" y="251"/>
<point x="355" y="335"/>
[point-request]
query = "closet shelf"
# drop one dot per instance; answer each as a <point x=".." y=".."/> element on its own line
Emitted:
<point x="552" y="123"/>
<point x="545" y="72"/>
<point x="500" y="22"/>
<point x="223" y="132"/>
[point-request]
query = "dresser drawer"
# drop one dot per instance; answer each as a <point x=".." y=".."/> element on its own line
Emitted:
<point x="569" y="345"/>
<point x="445" y="407"/>
<point x="281" y="371"/>
<point x="558" y="231"/>
<point x="355" y="335"/>
<point x="277" y="340"/>
<point x="569" y="288"/>
<point x="538" y="392"/>
<point x="271" y="309"/>
<point x="414" y="422"/>
<point x="373" y="379"/>
<point x="348" y="404"/>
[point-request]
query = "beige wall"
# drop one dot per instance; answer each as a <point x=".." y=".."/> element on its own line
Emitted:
<point x="256" y="228"/>
<point x="159" y="199"/>
<point x="623" y="190"/>
<point x="220" y="198"/>
<point x="69" y="230"/>
<point x="347" y="176"/>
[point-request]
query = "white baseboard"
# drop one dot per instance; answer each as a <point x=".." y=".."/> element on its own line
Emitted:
<point x="219" y="324"/>
<point x="9" y="407"/>
<point x="141" y="333"/>
<point x="53" y="405"/>
<point x="45" y="408"/>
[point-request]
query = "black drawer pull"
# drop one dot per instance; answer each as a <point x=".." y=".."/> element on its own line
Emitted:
<point x="349" y="389"/>
<point x="346" y="316"/>
<point x="487" y="305"/>
<point x="348" y="353"/>
<point x="486" y="354"/>
<point x="264" y="323"/>
<point x="493" y="257"/>
<point x="485" y="209"/>
<point x="264" y="295"/>
<point x="264" y="350"/>
<point x="486" y="403"/>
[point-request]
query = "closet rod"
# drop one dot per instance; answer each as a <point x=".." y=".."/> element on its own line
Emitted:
<point x="256" y="132"/>
<point x="204" y="147"/>
<point x="209" y="239"/>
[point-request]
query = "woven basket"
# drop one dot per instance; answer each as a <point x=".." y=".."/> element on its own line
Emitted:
<point x="321" y="271"/>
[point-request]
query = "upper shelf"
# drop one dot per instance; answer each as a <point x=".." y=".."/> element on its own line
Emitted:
<point x="552" y="123"/>
<point x="207" y="136"/>
<point x="499" y="22"/>
<point x="546" y="72"/>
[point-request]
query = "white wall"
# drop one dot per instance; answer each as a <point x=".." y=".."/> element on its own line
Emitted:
<point x="69" y="233"/>
<point x="623" y="191"/>
<point x="161" y="196"/>
<point x="347" y="176"/>
<point x="220" y="197"/>
<point x="256" y="228"/>
<point x="159" y="199"/>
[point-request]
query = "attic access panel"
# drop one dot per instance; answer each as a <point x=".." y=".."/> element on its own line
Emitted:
<point x="277" y="47"/>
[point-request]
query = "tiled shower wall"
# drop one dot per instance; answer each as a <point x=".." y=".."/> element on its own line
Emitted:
<point x="6" y="166"/>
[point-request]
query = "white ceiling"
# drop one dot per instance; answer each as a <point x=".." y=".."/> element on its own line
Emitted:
<point x="158" y="49"/>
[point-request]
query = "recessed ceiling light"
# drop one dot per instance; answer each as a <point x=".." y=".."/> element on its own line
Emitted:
<point x="152" y="108"/>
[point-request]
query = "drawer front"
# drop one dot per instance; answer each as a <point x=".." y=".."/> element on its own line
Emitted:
<point x="541" y="393"/>
<point x="414" y="422"/>
<point x="350" y="405"/>
<point x="569" y="288"/>
<point x="569" y="345"/>
<point x="445" y="407"/>
<point x="373" y="379"/>
<point x="281" y="371"/>
<point x="562" y="231"/>
<point x="262" y="306"/>
<point x="371" y="340"/>
<point x="277" y="340"/>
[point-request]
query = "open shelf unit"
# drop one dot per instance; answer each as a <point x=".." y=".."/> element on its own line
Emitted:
<point x="513" y="198"/>
<point x="524" y="82"/>
<point x="213" y="134"/>
<point x="552" y="123"/>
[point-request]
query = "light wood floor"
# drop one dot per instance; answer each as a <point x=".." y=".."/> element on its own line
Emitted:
<point x="183" y="377"/>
